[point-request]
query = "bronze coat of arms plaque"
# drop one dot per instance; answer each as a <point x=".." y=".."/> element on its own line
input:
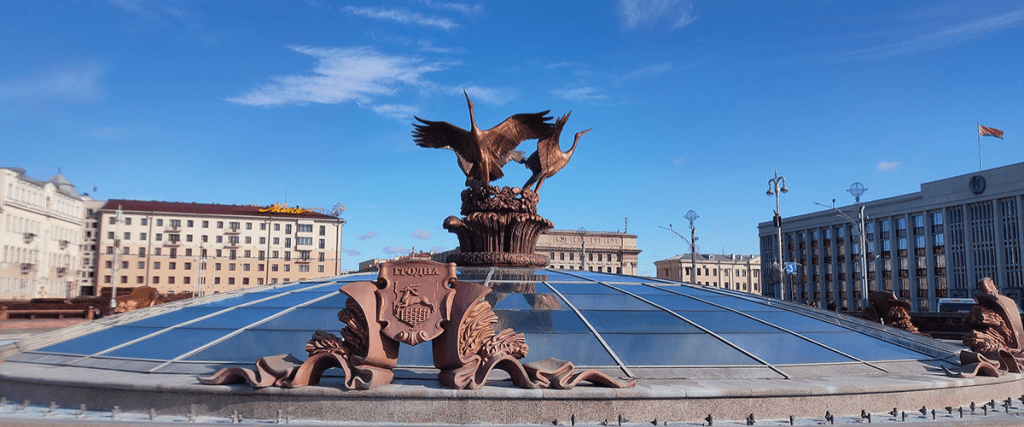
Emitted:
<point x="415" y="299"/>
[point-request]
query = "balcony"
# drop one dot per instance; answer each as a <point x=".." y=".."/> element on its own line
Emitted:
<point x="233" y="230"/>
<point x="64" y="244"/>
<point x="61" y="271"/>
<point x="172" y="243"/>
<point x="233" y="244"/>
<point x="29" y="237"/>
<point x="303" y="260"/>
<point x="27" y="267"/>
<point x="172" y="228"/>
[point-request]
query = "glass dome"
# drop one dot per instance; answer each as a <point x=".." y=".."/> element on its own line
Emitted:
<point x="638" y="327"/>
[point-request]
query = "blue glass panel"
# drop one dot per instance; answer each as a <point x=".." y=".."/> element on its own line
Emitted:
<point x="674" y="350"/>
<point x="290" y="300"/>
<point x="721" y="322"/>
<point x="337" y="302"/>
<point x="172" y="344"/>
<point x="797" y="322"/>
<point x="637" y="321"/>
<point x="626" y="279"/>
<point x="581" y="349"/>
<point x="306" y="319"/>
<point x="554" y="276"/>
<point x="419" y="355"/>
<point x="249" y="346"/>
<point x="608" y="302"/>
<point x="363" y="277"/>
<point x="176" y="317"/>
<point x="236" y="319"/>
<point x="540" y="321"/>
<point x="783" y="348"/>
<point x="540" y="302"/>
<point x="644" y="290"/>
<point x="241" y="299"/>
<point x="680" y="302"/>
<point x="864" y="347"/>
<point x="736" y="303"/>
<point x="517" y="287"/>
<point x="584" y="288"/>
<point x="99" y="341"/>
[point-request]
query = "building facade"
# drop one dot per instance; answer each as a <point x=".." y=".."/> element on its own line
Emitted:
<point x="727" y="271"/>
<point x="42" y="231"/>
<point x="931" y="244"/>
<point x="210" y="248"/>
<point x="601" y="251"/>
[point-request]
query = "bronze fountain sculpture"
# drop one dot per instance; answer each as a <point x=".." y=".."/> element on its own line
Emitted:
<point x="500" y="226"/>
<point x="419" y="301"/>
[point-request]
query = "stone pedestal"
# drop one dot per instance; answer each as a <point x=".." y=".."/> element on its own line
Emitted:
<point x="500" y="227"/>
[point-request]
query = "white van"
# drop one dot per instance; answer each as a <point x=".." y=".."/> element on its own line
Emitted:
<point x="955" y="305"/>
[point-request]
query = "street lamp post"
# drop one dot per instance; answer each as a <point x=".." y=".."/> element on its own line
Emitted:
<point x="583" y="252"/>
<point x="776" y="186"/>
<point x="691" y="215"/>
<point x="857" y="189"/>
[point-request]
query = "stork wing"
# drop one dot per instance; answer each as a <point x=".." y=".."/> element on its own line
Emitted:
<point x="441" y="135"/>
<point x="506" y="136"/>
<point x="548" y="149"/>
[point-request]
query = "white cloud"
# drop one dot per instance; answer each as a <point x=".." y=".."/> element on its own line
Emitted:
<point x="399" y="111"/>
<point x="949" y="36"/>
<point x="402" y="16"/>
<point x="580" y="93"/>
<point x="368" y="235"/>
<point x="649" y="13"/>
<point x="681" y="160"/>
<point x="395" y="250"/>
<point x="420" y="234"/>
<point x="342" y="75"/>
<point x="77" y="83"/>
<point x="647" y="71"/>
<point x="456" y="7"/>
<point x="886" y="166"/>
<point x="486" y="95"/>
<point x="352" y="252"/>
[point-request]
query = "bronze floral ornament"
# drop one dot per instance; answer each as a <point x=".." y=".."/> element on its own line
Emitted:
<point x="413" y="302"/>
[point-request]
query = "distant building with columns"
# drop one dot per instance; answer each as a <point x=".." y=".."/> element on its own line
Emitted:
<point x="726" y="271"/>
<point x="935" y="243"/>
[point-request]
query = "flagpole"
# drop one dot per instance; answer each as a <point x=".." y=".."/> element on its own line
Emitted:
<point x="979" y="146"/>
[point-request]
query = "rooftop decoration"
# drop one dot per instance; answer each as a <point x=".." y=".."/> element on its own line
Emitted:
<point x="500" y="226"/>
<point x="414" y="302"/>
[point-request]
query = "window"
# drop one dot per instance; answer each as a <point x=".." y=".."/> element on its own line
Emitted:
<point x="288" y="229"/>
<point x="220" y="224"/>
<point x="172" y="265"/>
<point x="142" y="264"/>
<point x="263" y="226"/>
<point x="170" y="281"/>
<point x="274" y="254"/>
<point x="218" y="253"/>
<point x="287" y="242"/>
<point x="124" y="279"/>
<point x="273" y="267"/>
<point x="245" y="267"/>
<point x="139" y="280"/>
<point x="231" y="280"/>
<point x="277" y="240"/>
<point x="110" y="234"/>
<point x="248" y="254"/>
<point x="187" y="280"/>
<point x="175" y="223"/>
<point x="248" y="226"/>
<point x="248" y="240"/>
<point x="190" y="223"/>
<point x="220" y="239"/>
<point x="206" y="224"/>
<point x="235" y="225"/>
<point x="142" y="252"/>
<point x="156" y="265"/>
<point x="216" y="266"/>
<point x="287" y="255"/>
<point x="304" y="228"/>
<point x="159" y="222"/>
<point x="307" y="241"/>
<point x="321" y="259"/>
<point x="245" y="280"/>
<point x="287" y="267"/>
<point x="216" y="280"/>
<point x="263" y="240"/>
<point x="304" y="268"/>
<point x="159" y="237"/>
<point x="144" y="221"/>
<point x="127" y="235"/>
<point x="231" y="266"/>
<point x="142" y="236"/>
<point x="323" y="230"/>
<point x="188" y="251"/>
<point x="188" y="265"/>
<point x="204" y="238"/>
<point x="262" y="255"/>
<point x="259" y="267"/>
<point x="277" y="227"/>
<point x="188" y="237"/>
<point x="156" y="280"/>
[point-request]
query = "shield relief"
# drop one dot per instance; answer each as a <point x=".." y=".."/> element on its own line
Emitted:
<point x="415" y="299"/>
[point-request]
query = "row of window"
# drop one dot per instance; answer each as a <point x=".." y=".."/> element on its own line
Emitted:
<point x="187" y="280"/>
<point x="618" y="270"/>
<point x="232" y="225"/>
<point x="590" y="256"/>
<point x="219" y="253"/>
<point x="739" y="272"/>
<point x="173" y="265"/>
<point x="233" y="240"/>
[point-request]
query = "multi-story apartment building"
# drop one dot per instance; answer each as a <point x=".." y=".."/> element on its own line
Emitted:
<point x="42" y="228"/>
<point x="90" y="247"/>
<point x="209" y="248"/>
<point x="601" y="251"/>
<point x="931" y="244"/>
<point x="728" y="271"/>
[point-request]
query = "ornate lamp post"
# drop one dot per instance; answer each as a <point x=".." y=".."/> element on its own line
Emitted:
<point x="857" y="189"/>
<point x="583" y="250"/>
<point x="776" y="186"/>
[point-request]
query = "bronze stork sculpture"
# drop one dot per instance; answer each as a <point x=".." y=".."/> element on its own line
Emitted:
<point x="549" y="157"/>
<point x="484" y="151"/>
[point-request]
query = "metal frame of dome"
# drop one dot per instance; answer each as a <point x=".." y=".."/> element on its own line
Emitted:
<point x="632" y="326"/>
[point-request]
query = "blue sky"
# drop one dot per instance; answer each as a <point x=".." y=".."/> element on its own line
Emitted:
<point x="694" y="105"/>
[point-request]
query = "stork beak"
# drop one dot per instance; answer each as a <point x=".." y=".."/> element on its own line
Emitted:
<point x="467" y="98"/>
<point x="579" y="134"/>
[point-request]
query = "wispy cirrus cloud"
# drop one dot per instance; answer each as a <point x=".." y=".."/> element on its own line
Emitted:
<point x="341" y="75"/>
<point x="648" y="71"/>
<point x="352" y="252"/>
<point x="73" y="83"/>
<point x="400" y="112"/>
<point x="951" y="35"/>
<point x="402" y="16"/>
<point x="887" y="166"/>
<point x="493" y="96"/>
<point x="652" y="13"/>
<point x="463" y="8"/>
<point x="580" y="93"/>
<point x="395" y="250"/>
<point x="420" y="234"/>
<point x="368" y="236"/>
